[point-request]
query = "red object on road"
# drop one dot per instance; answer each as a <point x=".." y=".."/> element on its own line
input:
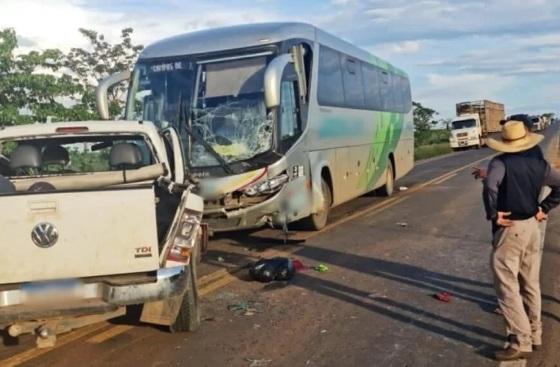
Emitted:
<point x="443" y="296"/>
<point x="298" y="265"/>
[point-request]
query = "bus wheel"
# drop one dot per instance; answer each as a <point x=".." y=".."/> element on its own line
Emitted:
<point x="318" y="220"/>
<point x="388" y="188"/>
<point x="188" y="318"/>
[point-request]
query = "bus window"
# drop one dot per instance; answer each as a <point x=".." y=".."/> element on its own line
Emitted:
<point x="330" y="91"/>
<point x="353" y="88"/>
<point x="371" y="87"/>
<point x="385" y="90"/>
<point x="290" y="126"/>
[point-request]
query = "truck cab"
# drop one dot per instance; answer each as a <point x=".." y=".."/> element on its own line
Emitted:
<point x="466" y="132"/>
<point x="96" y="216"/>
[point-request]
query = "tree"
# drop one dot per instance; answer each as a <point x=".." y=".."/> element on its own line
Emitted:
<point x="89" y="66"/>
<point x="423" y="117"/>
<point x="31" y="88"/>
<point x="43" y="84"/>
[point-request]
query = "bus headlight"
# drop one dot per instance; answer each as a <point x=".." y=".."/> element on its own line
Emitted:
<point x="268" y="186"/>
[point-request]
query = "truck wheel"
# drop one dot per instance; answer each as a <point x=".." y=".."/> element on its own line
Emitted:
<point x="389" y="187"/>
<point x="188" y="318"/>
<point x="318" y="220"/>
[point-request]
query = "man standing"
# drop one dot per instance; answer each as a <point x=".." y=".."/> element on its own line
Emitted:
<point x="511" y="197"/>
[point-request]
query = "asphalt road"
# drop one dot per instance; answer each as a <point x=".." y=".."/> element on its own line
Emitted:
<point x="373" y="307"/>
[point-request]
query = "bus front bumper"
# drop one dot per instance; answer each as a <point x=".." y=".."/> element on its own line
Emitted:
<point x="258" y="215"/>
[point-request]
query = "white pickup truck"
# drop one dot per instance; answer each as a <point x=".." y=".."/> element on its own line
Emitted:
<point x="95" y="216"/>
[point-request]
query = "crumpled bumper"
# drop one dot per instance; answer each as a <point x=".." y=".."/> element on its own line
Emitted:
<point x="96" y="297"/>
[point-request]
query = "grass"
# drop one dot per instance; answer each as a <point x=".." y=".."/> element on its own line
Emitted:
<point x="431" y="150"/>
<point x="431" y="143"/>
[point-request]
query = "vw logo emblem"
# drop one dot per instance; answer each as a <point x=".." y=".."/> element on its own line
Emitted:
<point x="44" y="235"/>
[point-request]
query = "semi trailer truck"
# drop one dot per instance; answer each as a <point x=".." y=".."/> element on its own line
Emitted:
<point x="474" y="121"/>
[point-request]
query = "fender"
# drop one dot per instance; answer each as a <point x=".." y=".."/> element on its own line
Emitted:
<point x="316" y="190"/>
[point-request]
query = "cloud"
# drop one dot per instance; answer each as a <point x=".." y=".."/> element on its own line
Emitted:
<point x="505" y="55"/>
<point x="55" y="24"/>
<point x="50" y="24"/>
<point x="444" y="91"/>
<point x="404" y="47"/>
<point x="368" y="21"/>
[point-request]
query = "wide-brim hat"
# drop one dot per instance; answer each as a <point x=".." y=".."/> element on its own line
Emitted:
<point x="515" y="138"/>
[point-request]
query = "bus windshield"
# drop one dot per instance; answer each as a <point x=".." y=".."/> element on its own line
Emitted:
<point x="230" y="113"/>
<point x="222" y="100"/>
<point x="463" y="124"/>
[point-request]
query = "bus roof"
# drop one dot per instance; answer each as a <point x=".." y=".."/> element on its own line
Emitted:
<point x="252" y="35"/>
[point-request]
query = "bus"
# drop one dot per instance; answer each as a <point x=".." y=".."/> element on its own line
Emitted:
<point x="278" y="122"/>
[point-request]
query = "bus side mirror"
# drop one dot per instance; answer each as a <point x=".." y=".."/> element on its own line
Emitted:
<point x="273" y="79"/>
<point x="101" y="92"/>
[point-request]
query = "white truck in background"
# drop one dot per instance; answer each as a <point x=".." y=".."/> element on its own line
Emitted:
<point x="96" y="215"/>
<point x="474" y="121"/>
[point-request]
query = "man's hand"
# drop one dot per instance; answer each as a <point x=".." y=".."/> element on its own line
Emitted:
<point x="502" y="221"/>
<point x="541" y="216"/>
<point x="478" y="173"/>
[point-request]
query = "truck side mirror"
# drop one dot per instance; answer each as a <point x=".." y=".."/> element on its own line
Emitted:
<point x="101" y="92"/>
<point x="273" y="79"/>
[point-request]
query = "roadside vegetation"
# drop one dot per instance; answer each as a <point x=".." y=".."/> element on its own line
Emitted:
<point x="52" y="85"/>
<point x="428" y="142"/>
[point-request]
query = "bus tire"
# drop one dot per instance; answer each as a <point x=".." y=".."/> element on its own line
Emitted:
<point x="389" y="187"/>
<point x="188" y="318"/>
<point x="318" y="221"/>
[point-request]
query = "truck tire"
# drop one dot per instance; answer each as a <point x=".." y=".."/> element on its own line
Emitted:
<point x="318" y="221"/>
<point x="188" y="318"/>
<point x="389" y="187"/>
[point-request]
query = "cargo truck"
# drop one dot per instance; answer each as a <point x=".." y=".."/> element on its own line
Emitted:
<point x="474" y="121"/>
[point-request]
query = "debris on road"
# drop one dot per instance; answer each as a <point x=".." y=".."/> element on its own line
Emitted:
<point x="267" y="270"/>
<point x="402" y="224"/>
<point x="403" y="188"/>
<point x="298" y="265"/>
<point x="258" y="362"/>
<point x="243" y="308"/>
<point x="321" y="268"/>
<point x="443" y="296"/>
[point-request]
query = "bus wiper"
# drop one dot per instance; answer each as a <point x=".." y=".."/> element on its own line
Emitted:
<point x="199" y="139"/>
<point x="209" y="148"/>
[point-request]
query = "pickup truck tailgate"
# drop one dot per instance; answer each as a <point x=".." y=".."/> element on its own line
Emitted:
<point x="77" y="234"/>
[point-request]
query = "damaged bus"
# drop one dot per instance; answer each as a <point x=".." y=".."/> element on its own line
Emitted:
<point x="279" y="122"/>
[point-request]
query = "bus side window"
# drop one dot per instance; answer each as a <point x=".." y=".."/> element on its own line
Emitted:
<point x="290" y="125"/>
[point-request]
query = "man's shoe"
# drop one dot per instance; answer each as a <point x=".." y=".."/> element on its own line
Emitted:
<point x="510" y="354"/>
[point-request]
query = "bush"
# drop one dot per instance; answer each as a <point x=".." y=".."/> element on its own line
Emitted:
<point x="430" y="137"/>
<point x="429" y="151"/>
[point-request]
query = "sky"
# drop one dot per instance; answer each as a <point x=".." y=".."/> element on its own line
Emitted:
<point x="454" y="50"/>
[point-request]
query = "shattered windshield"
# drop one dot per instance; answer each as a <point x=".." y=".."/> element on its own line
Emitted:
<point x="227" y="111"/>
<point x="230" y="113"/>
<point x="463" y="124"/>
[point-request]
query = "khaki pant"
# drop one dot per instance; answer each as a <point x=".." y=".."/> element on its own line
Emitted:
<point x="516" y="267"/>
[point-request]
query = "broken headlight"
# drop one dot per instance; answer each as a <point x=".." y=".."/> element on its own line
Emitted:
<point x="185" y="237"/>
<point x="268" y="186"/>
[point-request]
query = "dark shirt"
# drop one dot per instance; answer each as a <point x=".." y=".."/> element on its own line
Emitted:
<point x="513" y="184"/>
